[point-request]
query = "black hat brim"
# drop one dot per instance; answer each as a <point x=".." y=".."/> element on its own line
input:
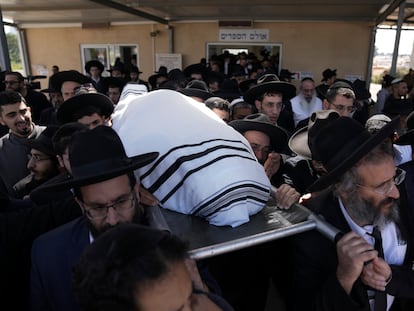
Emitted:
<point x="196" y="93"/>
<point x="69" y="107"/>
<point x="58" y="78"/>
<point x="278" y="136"/>
<point x="332" y="176"/>
<point x="287" y="90"/>
<point x="98" y="173"/>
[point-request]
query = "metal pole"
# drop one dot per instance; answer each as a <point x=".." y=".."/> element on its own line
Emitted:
<point x="371" y="57"/>
<point x="4" y="51"/>
<point x="397" y="39"/>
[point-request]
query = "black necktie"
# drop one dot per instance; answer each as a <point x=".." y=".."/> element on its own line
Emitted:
<point x="380" y="297"/>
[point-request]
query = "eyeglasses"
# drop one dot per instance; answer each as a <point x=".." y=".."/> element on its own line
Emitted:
<point x="386" y="188"/>
<point x="100" y="211"/>
<point x="37" y="158"/>
<point x="10" y="82"/>
<point x="342" y="108"/>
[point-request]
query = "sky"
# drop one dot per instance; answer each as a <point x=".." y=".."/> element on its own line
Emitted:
<point x="385" y="41"/>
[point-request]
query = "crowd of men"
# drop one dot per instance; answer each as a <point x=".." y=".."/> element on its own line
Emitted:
<point x="74" y="220"/>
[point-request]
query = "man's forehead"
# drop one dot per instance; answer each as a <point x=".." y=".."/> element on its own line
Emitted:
<point x="11" y="78"/>
<point x="69" y="85"/>
<point x="14" y="107"/>
<point x="342" y="100"/>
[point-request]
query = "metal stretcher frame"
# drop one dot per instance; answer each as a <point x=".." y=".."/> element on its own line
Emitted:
<point x="206" y="240"/>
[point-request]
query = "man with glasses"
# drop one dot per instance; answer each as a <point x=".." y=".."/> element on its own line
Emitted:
<point x="16" y="115"/>
<point x="370" y="267"/>
<point x="14" y="81"/>
<point x="340" y="97"/>
<point x="107" y="192"/>
<point x="43" y="163"/>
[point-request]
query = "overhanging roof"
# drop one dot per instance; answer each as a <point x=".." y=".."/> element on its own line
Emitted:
<point x="25" y="13"/>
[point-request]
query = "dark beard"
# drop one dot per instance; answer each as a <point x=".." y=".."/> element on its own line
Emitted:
<point x="364" y="212"/>
<point x="138" y="218"/>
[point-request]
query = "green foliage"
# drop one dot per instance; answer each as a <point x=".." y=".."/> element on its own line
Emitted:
<point x="14" y="51"/>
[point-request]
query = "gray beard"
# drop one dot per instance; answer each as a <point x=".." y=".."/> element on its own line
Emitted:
<point x="363" y="212"/>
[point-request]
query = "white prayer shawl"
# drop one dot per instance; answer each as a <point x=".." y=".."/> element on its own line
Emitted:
<point x="205" y="167"/>
<point x="302" y="109"/>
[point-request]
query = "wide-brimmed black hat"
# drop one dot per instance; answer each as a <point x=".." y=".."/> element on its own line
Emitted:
<point x="228" y="90"/>
<point x="196" y="68"/>
<point x="299" y="141"/>
<point x="286" y="74"/>
<point x="360" y="89"/>
<point x="328" y="73"/>
<point x="43" y="142"/>
<point x="341" y="144"/>
<point x="135" y="69"/>
<point x="69" y="107"/>
<point x="98" y="155"/>
<point x="197" y="88"/>
<point x="94" y="63"/>
<point x="270" y="83"/>
<point x="58" y="78"/>
<point x="260" y="122"/>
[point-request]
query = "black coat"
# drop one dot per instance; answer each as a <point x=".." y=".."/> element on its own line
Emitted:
<point x="314" y="260"/>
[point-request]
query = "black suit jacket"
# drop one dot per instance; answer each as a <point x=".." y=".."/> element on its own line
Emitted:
<point x="314" y="260"/>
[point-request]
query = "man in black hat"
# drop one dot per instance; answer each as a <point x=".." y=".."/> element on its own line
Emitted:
<point x="16" y="115"/>
<point x="197" y="90"/>
<point x="42" y="164"/>
<point x="87" y="107"/>
<point x="269" y="95"/>
<point x="107" y="192"/>
<point x="94" y="69"/>
<point x="134" y="76"/>
<point x="328" y="78"/>
<point x="383" y="93"/>
<point x="67" y="82"/>
<point x="268" y="141"/>
<point x="362" y="200"/>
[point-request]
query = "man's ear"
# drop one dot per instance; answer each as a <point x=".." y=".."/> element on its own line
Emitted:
<point x="325" y="104"/>
<point x="258" y="105"/>
<point x="60" y="160"/>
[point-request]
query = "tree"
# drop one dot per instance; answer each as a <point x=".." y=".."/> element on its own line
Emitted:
<point x="14" y="51"/>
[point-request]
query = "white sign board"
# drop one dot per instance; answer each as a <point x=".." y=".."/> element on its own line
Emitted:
<point x="244" y="35"/>
<point x="169" y="60"/>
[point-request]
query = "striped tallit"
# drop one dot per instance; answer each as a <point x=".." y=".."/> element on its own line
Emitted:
<point x="205" y="167"/>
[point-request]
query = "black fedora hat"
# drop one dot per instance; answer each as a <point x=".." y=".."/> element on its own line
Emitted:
<point x="341" y="144"/>
<point x="394" y="106"/>
<point x="44" y="142"/>
<point x="58" y="78"/>
<point x="135" y="69"/>
<point x="69" y="107"/>
<point x="260" y="122"/>
<point x="270" y="83"/>
<point x="328" y="73"/>
<point x="228" y="90"/>
<point x="197" y="88"/>
<point x="360" y="89"/>
<point x="97" y="155"/>
<point x="94" y="63"/>
<point x="299" y="141"/>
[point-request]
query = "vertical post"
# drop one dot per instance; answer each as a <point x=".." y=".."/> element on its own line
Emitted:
<point x="397" y="38"/>
<point x="4" y="51"/>
<point x="371" y="57"/>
